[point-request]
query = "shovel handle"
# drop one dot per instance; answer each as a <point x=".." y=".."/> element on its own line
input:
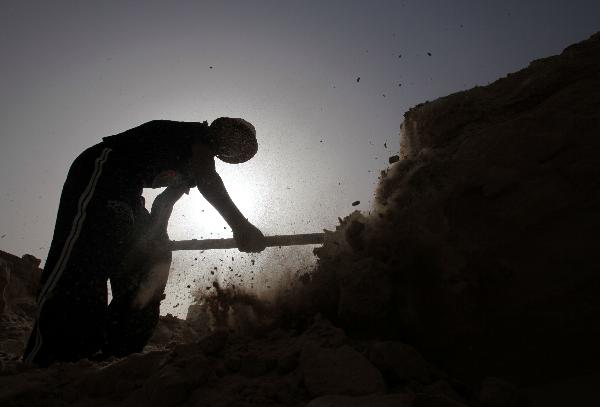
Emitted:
<point x="276" y="240"/>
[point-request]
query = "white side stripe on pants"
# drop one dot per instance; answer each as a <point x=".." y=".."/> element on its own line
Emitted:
<point x="68" y="247"/>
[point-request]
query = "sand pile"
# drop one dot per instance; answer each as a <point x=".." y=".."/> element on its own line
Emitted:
<point x="479" y="260"/>
<point x="482" y="247"/>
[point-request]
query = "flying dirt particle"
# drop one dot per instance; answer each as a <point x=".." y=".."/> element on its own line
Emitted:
<point x="399" y="85"/>
<point x="399" y="55"/>
<point x="215" y="268"/>
<point x="212" y="272"/>
<point x="195" y="259"/>
<point x="252" y="261"/>
<point x="176" y="305"/>
<point x="2" y="237"/>
<point x="232" y="259"/>
<point x="429" y="53"/>
<point x="320" y="141"/>
<point x="385" y="145"/>
<point x="393" y="159"/>
<point x="224" y="227"/>
<point x="355" y="203"/>
<point x="383" y="95"/>
<point x="210" y="67"/>
<point x="189" y="286"/>
<point x="208" y="288"/>
<point x="358" y="79"/>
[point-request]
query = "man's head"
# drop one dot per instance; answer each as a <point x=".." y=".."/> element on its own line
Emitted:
<point x="233" y="139"/>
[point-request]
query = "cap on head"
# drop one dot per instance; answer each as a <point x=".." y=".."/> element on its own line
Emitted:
<point x="234" y="139"/>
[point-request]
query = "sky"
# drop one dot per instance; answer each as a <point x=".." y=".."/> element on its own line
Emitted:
<point x="326" y="84"/>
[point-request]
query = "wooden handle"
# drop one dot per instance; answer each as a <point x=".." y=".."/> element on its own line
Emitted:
<point x="277" y="240"/>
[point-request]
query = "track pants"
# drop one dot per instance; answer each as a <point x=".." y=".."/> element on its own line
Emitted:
<point x="94" y="239"/>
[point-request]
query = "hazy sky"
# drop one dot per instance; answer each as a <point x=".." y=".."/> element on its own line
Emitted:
<point x="73" y="72"/>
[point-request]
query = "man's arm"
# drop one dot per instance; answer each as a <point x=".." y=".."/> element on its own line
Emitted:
<point x="247" y="236"/>
<point x="162" y="207"/>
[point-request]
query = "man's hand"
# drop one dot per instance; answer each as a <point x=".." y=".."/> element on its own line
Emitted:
<point x="249" y="238"/>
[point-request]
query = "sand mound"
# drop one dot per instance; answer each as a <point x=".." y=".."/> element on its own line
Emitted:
<point x="482" y="246"/>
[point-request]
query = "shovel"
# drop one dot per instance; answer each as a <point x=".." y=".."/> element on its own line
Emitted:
<point x="276" y="240"/>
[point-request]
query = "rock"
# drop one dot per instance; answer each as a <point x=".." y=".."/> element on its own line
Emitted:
<point x="255" y="365"/>
<point x="338" y="371"/>
<point x="496" y="392"/>
<point x="4" y="281"/>
<point x="430" y="400"/>
<point x="354" y="234"/>
<point x="172" y="384"/>
<point x="124" y="376"/>
<point x="366" y="293"/>
<point x="214" y="343"/>
<point x="442" y="388"/>
<point x="12" y="346"/>
<point x="400" y="362"/>
<point x="325" y="333"/>
<point x="288" y="362"/>
<point x="378" y="400"/>
<point x="162" y="335"/>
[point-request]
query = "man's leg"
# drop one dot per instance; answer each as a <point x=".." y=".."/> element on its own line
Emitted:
<point x="86" y="241"/>
<point x="139" y="286"/>
<point x="137" y="290"/>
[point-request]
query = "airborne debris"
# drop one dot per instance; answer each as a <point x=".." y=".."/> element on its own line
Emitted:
<point x="358" y="79"/>
<point x="394" y="159"/>
<point x="355" y="203"/>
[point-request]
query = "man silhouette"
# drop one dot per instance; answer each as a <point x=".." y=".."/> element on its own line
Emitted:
<point x="103" y="231"/>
